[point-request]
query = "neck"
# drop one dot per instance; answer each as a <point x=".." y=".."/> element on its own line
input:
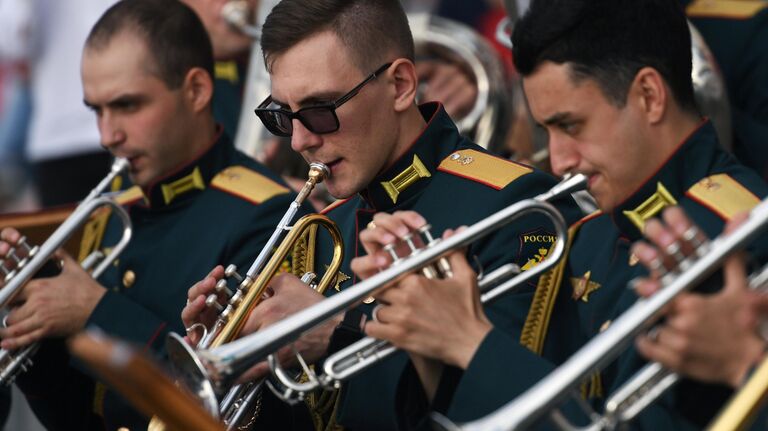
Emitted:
<point x="201" y="136"/>
<point x="411" y="127"/>
<point x="677" y="127"/>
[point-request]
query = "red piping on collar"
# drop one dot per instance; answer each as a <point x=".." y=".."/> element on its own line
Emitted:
<point x="408" y="149"/>
<point x="661" y="166"/>
<point x="334" y="205"/>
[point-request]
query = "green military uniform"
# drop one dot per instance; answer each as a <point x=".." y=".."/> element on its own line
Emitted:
<point x="451" y="182"/>
<point x="228" y="94"/>
<point x="737" y="33"/>
<point x="219" y="209"/>
<point x="577" y="300"/>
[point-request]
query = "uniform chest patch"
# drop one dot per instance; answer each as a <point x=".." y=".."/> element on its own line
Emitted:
<point x="535" y="246"/>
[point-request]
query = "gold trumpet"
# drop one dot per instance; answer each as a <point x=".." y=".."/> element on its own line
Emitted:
<point x="220" y="365"/>
<point x="34" y="259"/>
<point x="249" y="293"/>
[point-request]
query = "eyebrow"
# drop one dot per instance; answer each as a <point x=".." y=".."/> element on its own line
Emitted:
<point x="118" y="101"/>
<point x="556" y="118"/>
<point x="316" y="98"/>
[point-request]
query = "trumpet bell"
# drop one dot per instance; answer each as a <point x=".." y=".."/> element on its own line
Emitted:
<point x="191" y="371"/>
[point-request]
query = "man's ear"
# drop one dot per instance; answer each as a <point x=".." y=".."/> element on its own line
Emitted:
<point x="198" y="88"/>
<point x="651" y="94"/>
<point x="406" y="82"/>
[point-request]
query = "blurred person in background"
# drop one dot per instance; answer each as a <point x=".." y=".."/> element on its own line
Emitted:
<point x="63" y="142"/>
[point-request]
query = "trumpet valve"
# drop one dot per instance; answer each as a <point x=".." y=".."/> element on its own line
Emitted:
<point x="442" y="265"/>
<point x="408" y="239"/>
<point x="231" y="272"/>
<point x="212" y="301"/>
<point x="390" y="248"/>
<point x="236" y="299"/>
<point x="309" y="279"/>
<point x="245" y="284"/>
<point x="221" y="287"/>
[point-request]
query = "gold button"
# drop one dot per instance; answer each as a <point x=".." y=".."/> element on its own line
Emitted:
<point x="129" y="278"/>
<point x="605" y="325"/>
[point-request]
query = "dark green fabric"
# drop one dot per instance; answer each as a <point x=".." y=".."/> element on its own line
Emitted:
<point x="503" y="369"/>
<point x="228" y="99"/>
<point x="446" y="201"/>
<point x="173" y="246"/>
<point x="740" y="47"/>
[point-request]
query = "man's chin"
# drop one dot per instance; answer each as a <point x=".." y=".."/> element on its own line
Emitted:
<point x="339" y="192"/>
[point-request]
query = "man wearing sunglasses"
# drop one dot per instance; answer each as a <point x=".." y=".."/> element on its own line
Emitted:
<point x="343" y="89"/>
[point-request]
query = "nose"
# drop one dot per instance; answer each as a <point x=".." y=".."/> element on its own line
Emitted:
<point x="111" y="132"/>
<point x="563" y="155"/>
<point x="302" y="139"/>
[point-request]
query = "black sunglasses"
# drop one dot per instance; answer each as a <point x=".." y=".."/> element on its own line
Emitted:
<point x="317" y="119"/>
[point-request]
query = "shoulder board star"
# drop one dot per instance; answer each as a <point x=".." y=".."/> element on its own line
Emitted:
<point x="483" y="168"/>
<point x="723" y="195"/>
<point x="247" y="184"/>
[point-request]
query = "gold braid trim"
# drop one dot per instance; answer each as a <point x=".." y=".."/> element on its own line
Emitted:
<point x="536" y="324"/>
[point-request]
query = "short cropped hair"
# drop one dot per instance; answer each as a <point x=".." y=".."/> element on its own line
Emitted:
<point x="174" y="34"/>
<point x="609" y="41"/>
<point x="369" y="29"/>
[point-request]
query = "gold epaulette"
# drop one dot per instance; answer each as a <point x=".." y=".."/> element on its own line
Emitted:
<point x="723" y="195"/>
<point x="483" y="168"/>
<point x="247" y="184"/>
<point x="730" y="9"/>
<point x="226" y="70"/>
<point x="333" y="205"/>
<point x="129" y="196"/>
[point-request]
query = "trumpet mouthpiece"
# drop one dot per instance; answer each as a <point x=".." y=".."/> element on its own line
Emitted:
<point x="318" y="172"/>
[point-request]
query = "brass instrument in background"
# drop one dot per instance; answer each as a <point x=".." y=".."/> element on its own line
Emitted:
<point x="541" y="400"/>
<point x="35" y="258"/>
<point x="741" y="410"/>
<point x="221" y="365"/>
<point x="250" y="291"/>
<point x="451" y="41"/>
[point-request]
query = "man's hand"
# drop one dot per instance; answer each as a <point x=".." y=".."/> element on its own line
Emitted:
<point x="385" y="229"/>
<point x="704" y="336"/>
<point x="289" y="295"/>
<point x="196" y="312"/>
<point x="52" y="307"/>
<point x="449" y="84"/>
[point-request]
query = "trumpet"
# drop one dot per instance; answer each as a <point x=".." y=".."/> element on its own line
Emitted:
<point x="249" y="293"/>
<point x="368" y="351"/>
<point x="14" y="362"/>
<point x="543" y="398"/>
<point x="221" y="365"/>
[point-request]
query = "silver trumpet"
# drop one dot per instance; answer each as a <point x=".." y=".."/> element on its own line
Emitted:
<point x="219" y="366"/>
<point x="542" y="400"/>
<point x="14" y="362"/>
